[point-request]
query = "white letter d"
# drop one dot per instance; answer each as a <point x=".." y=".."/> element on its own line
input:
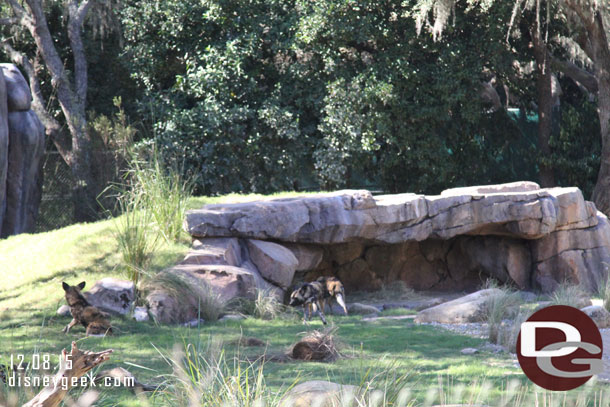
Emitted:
<point x="528" y="338"/>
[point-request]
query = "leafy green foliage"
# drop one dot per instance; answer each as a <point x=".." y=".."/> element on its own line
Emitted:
<point x="262" y="96"/>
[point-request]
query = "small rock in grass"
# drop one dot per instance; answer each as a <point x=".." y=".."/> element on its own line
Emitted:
<point x="362" y="309"/>
<point x="231" y="317"/>
<point x="64" y="311"/>
<point x="193" y="323"/>
<point x="140" y="314"/>
<point x="469" y="351"/>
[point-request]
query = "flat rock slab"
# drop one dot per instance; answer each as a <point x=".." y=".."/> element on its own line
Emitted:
<point x="470" y="308"/>
<point x="522" y="211"/>
<point x="225" y="251"/>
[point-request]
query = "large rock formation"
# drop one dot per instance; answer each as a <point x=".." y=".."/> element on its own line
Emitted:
<point x="516" y="233"/>
<point x="21" y="149"/>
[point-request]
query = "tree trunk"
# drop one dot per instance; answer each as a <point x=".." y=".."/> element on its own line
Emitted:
<point x="601" y="192"/>
<point x="85" y="189"/>
<point x="593" y="40"/>
<point x="71" y="95"/>
<point x="544" y="87"/>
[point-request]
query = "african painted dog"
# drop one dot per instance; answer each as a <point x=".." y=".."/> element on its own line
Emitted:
<point x="333" y="288"/>
<point x="95" y="321"/>
<point x="310" y="296"/>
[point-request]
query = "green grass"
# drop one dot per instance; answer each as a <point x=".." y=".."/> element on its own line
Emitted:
<point x="33" y="267"/>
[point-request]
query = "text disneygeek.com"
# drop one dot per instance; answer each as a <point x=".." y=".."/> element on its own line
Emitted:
<point x="37" y="373"/>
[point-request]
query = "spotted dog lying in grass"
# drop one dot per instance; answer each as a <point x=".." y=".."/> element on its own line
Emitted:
<point x="96" y="322"/>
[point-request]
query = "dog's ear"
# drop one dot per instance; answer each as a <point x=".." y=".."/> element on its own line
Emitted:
<point x="81" y="285"/>
<point x="65" y="285"/>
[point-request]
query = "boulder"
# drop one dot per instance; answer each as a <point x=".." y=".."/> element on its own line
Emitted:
<point x="19" y="97"/>
<point x="166" y="309"/>
<point x="308" y="256"/>
<point x="320" y="394"/>
<point x="112" y="295"/>
<point x="64" y="311"/>
<point x="516" y="233"/>
<point x="578" y="256"/>
<point x="23" y="192"/>
<point x="470" y="308"/>
<point x="337" y="218"/>
<point x="227" y="282"/>
<point x="170" y="305"/>
<point x="224" y="251"/>
<point x="232" y="317"/>
<point x="275" y="262"/>
<point x="599" y="315"/>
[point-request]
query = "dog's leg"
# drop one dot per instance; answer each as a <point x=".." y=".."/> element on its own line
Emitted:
<point x="317" y="309"/>
<point x="328" y="301"/>
<point x="70" y="325"/>
<point x="305" y="306"/>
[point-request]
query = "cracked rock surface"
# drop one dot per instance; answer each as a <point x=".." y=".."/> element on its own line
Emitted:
<point x="517" y="233"/>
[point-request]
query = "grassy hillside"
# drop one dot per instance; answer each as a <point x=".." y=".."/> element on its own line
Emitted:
<point x="33" y="267"/>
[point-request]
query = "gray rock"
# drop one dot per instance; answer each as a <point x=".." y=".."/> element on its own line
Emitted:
<point x="224" y="251"/>
<point x="517" y="233"/>
<point x="231" y="317"/>
<point x="275" y="262"/>
<point x="469" y="351"/>
<point x="322" y="394"/>
<point x="470" y="308"/>
<point x="17" y="89"/>
<point x="308" y="256"/>
<point x="23" y="183"/>
<point x="599" y="315"/>
<point x="112" y="295"/>
<point x="193" y="323"/>
<point x="140" y="314"/>
<point x="166" y="309"/>
<point x="361" y="309"/>
<point x="64" y="311"/>
<point x="227" y="282"/>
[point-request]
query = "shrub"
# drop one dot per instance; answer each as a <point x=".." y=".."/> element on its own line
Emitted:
<point x="603" y="289"/>
<point x="136" y="243"/>
<point x="500" y="307"/>
<point x="164" y="193"/>
<point x="265" y="305"/>
<point x="569" y="294"/>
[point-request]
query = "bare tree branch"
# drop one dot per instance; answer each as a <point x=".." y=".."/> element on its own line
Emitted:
<point x="21" y="14"/>
<point x="77" y="15"/>
<point x="575" y="73"/>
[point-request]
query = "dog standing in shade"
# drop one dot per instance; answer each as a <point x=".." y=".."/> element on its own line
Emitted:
<point x="333" y="289"/>
<point x="96" y="322"/>
<point x="310" y="297"/>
